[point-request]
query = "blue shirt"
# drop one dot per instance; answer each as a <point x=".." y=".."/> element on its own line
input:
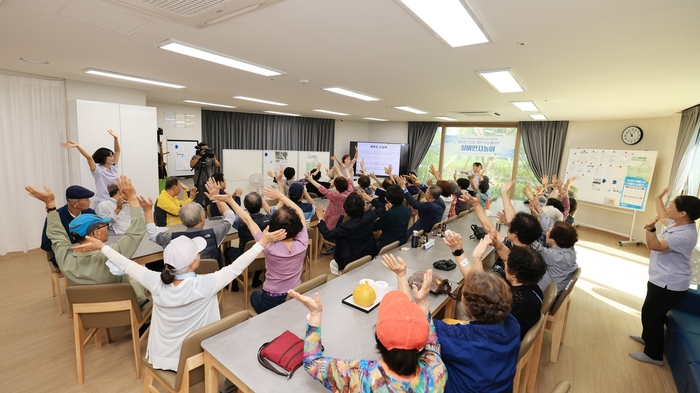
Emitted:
<point x="430" y="213"/>
<point x="671" y="269"/>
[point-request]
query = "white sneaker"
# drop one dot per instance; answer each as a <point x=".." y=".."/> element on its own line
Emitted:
<point x="334" y="267"/>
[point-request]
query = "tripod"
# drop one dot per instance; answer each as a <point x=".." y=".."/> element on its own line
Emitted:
<point x="201" y="175"/>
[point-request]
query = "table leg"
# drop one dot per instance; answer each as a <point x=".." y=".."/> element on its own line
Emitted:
<point x="212" y="368"/>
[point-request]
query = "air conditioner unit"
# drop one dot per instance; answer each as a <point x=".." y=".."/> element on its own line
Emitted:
<point x="195" y="13"/>
<point x="476" y="113"/>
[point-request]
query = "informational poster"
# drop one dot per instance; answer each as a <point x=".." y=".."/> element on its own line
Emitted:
<point x="486" y="146"/>
<point x="378" y="156"/>
<point x="619" y="178"/>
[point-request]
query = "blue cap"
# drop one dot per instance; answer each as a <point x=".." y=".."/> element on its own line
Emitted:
<point x="78" y="192"/>
<point x="296" y="190"/>
<point x="86" y="223"/>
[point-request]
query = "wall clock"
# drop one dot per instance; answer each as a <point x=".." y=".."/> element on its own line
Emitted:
<point x="632" y="135"/>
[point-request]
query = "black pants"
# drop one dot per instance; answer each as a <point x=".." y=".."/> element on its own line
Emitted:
<point x="658" y="302"/>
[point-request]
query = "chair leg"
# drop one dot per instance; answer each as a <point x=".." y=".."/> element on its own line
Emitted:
<point x="566" y="318"/>
<point x="98" y="338"/>
<point x="557" y="330"/>
<point x="148" y="381"/>
<point x="136" y="343"/>
<point x="245" y="289"/>
<point x="78" y="331"/>
<point x="54" y="279"/>
<point x="109" y="336"/>
<point x="535" y="362"/>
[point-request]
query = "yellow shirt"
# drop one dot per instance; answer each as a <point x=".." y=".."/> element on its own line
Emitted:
<point x="171" y="205"/>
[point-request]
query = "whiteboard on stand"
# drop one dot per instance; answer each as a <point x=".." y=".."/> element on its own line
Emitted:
<point x="179" y="156"/>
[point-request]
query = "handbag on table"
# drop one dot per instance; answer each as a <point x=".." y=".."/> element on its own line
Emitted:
<point x="286" y="352"/>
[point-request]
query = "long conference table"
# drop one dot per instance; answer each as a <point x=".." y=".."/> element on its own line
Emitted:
<point x="347" y="333"/>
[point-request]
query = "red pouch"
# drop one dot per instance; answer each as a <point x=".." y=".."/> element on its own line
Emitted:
<point x="286" y="352"/>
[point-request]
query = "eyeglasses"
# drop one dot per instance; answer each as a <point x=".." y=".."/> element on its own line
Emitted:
<point x="101" y="226"/>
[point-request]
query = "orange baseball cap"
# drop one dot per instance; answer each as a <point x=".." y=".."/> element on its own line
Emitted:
<point x="401" y="323"/>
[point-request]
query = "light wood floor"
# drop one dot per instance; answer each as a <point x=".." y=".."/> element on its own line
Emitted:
<point x="38" y="353"/>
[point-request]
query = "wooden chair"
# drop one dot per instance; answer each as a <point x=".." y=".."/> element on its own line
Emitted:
<point x="306" y="286"/>
<point x="463" y="214"/>
<point x="56" y="276"/>
<point x="559" y="315"/>
<point x="160" y="216"/>
<point x="550" y="295"/>
<point x="312" y="252"/>
<point x="330" y="277"/>
<point x="104" y="306"/>
<point x="525" y="358"/>
<point x="562" y="387"/>
<point x="190" y="371"/>
<point x="355" y="264"/>
<point x="388" y="248"/>
<point x="207" y="266"/>
<point x="313" y="195"/>
<point x="257" y="264"/>
<point x="208" y="211"/>
<point x="453" y="218"/>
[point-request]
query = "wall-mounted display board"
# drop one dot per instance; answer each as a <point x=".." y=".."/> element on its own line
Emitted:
<point x="179" y="156"/>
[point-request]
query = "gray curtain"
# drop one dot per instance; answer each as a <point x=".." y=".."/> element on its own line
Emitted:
<point x="420" y="136"/>
<point x="543" y="142"/>
<point x="686" y="144"/>
<point x="251" y="131"/>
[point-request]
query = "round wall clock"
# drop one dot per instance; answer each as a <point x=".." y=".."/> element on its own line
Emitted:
<point x="632" y="135"/>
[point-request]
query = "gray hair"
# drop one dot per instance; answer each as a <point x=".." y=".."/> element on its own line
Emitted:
<point x="191" y="214"/>
<point x="553" y="213"/>
<point x="454" y="185"/>
<point x="112" y="189"/>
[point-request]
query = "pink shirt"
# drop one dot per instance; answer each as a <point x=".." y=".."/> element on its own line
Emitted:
<point x="283" y="265"/>
<point x="335" y="207"/>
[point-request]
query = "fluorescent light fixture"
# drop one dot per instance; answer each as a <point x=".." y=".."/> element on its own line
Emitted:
<point x="374" y="118"/>
<point x="525" y="106"/>
<point x="214" y="57"/>
<point x="445" y="118"/>
<point x="282" y="113"/>
<point x="259" y="100"/>
<point x="412" y="110"/>
<point x="538" y="117"/>
<point x="449" y="19"/>
<point x="350" y="93"/>
<point x="330" y="112"/>
<point x="208" y="104"/>
<point x="502" y="80"/>
<point x="131" y="78"/>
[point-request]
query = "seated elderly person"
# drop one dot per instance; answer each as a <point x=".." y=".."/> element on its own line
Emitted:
<point x="78" y="202"/>
<point x="353" y="238"/>
<point x="394" y="220"/>
<point x="167" y="200"/>
<point x="221" y="182"/>
<point x="116" y="209"/>
<point x="430" y="211"/>
<point x="193" y="218"/>
<point x="85" y="268"/>
<point x="295" y="192"/>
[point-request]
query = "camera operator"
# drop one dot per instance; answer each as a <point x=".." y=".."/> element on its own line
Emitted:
<point x="203" y="163"/>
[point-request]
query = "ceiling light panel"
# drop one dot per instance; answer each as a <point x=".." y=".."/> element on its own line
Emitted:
<point x="259" y="100"/>
<point x="330" y="112"/>
<point x="218" y="58"/>
<point x="449" y="19"/>
<point x="282" y="113"/>
<point x="412" y="110"/>
<point x="502" y="80"/>
<point x="445" y="118"/>
<point x="208" y="104"/>
<point x="374" y="119"/>
<point x="350" y="93"/>
<point x="131" y="78"/>
<point x="538" y="117"/>
<point x="525" y="106"/>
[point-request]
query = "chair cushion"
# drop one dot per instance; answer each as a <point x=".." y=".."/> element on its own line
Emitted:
<point x="683" y="320"/>
<point x="167" y="376"/>
<point x="694" y="377"/>
<point x="681" y="350"/>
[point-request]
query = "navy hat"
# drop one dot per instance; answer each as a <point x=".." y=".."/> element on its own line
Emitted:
<point x="296" y="190"/>
<point x="78" y="192"/>
<point x="86" y="223"/>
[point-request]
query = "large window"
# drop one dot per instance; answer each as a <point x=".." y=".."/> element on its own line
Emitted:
<point x="493" y="147"/>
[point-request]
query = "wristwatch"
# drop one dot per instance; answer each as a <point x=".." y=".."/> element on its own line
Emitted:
<point x="458" y="252"/>
<point x="652" y="229"/>
<point x="50" y="209"/>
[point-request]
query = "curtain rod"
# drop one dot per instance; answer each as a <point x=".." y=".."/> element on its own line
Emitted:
<point x="15" y="73"/>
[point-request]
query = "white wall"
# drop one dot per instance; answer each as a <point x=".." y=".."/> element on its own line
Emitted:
<point x="347" y="131"/>
<point x="659" y="135"/>
<point x="76" y="90"/>
<point x="391" y="131"/>
<point x="179" y="133"/>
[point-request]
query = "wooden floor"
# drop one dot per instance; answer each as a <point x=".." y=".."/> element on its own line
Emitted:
<point x="38" y="353"/>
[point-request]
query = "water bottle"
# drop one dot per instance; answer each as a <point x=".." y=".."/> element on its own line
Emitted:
<point x="414" y="240"/>
<point x="498" y="225"/>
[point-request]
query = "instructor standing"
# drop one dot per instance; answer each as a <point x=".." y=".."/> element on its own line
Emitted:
<point x="669" y="270"/>
<point x="203" y="163"/>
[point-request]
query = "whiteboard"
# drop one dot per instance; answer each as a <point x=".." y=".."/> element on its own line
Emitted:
<point x="309" y="159"/>
<point x="179" y="156"/>
<point x="274" y="159"/>
<point x="237" y="167"/>
<point x="619" y="178"/>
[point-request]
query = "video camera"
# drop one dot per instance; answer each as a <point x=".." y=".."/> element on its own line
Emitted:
<point x="208" y="152"/>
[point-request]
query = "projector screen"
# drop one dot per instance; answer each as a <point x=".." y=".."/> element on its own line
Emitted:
<point x="378" y="155"/>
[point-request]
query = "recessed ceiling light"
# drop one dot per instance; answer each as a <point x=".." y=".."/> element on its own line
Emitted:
<point x="131" y="78"/>
<point x="449" y="19"/>
<point x="350" y="93"/>
<point x="214" y="57"/>
<point x="208" y="104"/>
<point x="259" y="100"/>
<point x="502" y="80"/>
<point x="445" y="118"/>
<point x="538" y="117"/>
<point x="374" y="118"/>
<point x="412" y="110"/>
<point x="33" y="61"/>
<point x="525" y="106"/>
<point x="282" y="113"/>
<point x="330" y="112"/>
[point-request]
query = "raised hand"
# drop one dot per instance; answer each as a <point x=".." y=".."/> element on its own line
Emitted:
<point x="364" y="195"/>
<point x="396" y="265"/>
<point x="493" y="235"/>
<point x="545" y="179"/>
<point x="474" y="201"/>
<point x="69" y="144"/>
<point x="308" y="176"/>
<point x="501" y="215"/>
<point x="506" y="187"/>
<point x="388" y="170"/>
<point x="314" y="305"/>
<point x="420" y="297"/>
<point x="146" y="204"/>
<point x="652" y="223"/>
<point x="429" y="183"/>
<point x="271" y="237"/>
<point x="453" y="240"/>
<point x="271" y="174"/>
<point x="90" y="244"/>
<point x="480" y="248"/>
<point x="212" y="187"/>
<point x="271" y="193"/>
<point x="663" y="192"/>
<point x="126" y="188"/>
<point x="401" y="181"/>
<point x="388" y="205"/>
<point x="193" y="193"/>
<point x="320" y="213"/>
<point x="47" y="196"/>
<point x="112" y="133"/>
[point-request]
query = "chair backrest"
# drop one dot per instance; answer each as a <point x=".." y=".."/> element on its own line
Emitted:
<point x="208" y="211"/>
<point x="550" y="295"/>
<point x="530" y="337"/>
<point x="207" y="266"/>
<point x="464" y="213"/>
<point x="160" y="216"/>
<point x="313" y="195"/>
<point x="388" y="247"/>
<point x="192" y="345"/>
<point x="452" y="219"/>
<point x="309" y="285"/>
<point x="104" y="293"/>
<point x="357" y="263"/>
<point x="346" y="218"/>
<point x="562" y="387"/>
<point x="273" y="202"/>
<point x="330" y="277"/>
<point x="566" y="292"/>
<point x="259" y="262"/>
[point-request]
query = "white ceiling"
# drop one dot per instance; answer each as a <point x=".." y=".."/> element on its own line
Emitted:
<point x="583" y="60"/>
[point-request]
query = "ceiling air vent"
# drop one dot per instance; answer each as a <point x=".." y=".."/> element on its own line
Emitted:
<point x="195" y="13"/>
<point x="475" y="113"/>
